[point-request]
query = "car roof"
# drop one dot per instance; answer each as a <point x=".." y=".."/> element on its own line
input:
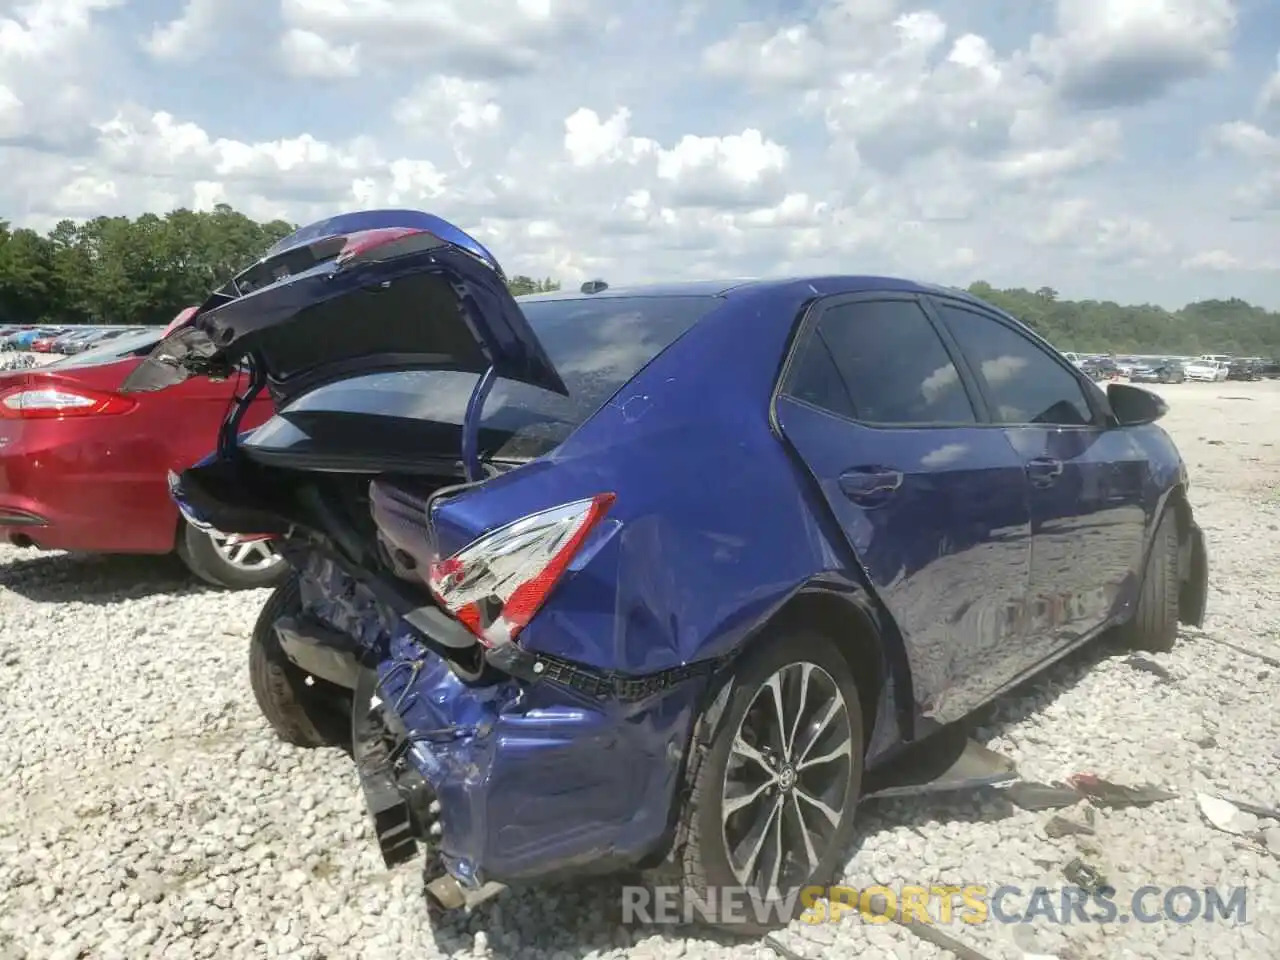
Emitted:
<point x="820" y="284"/>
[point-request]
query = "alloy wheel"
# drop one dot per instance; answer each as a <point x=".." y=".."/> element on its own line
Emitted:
<point x="245" y="554"/>
<point x="786" y="783"/>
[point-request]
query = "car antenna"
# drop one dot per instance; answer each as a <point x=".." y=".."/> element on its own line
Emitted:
<point x="594" y="286"/>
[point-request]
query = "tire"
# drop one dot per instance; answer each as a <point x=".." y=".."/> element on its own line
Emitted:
<point x="305" y="715"/>
<point x="706" y="862"/>
<point x="200" y="553"/>
<point x="1154" y="626"/>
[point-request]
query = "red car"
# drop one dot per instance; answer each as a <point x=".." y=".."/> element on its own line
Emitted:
<point x="45" y="344"/>
<point x="85" y="468"/>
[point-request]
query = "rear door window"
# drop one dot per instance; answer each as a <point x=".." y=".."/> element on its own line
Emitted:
<point x="596" y="343"/>
<point x="880" y="362"/>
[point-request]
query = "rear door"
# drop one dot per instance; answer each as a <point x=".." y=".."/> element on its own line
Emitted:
<point x="1087" y="481"/>
<point x="932" y="501"/>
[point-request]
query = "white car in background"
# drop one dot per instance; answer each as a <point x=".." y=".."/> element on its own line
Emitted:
<point x="1206" y="371"/>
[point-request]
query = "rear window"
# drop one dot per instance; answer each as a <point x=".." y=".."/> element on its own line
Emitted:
<point x="111" y="350"/>
<point x="596" y="344"/>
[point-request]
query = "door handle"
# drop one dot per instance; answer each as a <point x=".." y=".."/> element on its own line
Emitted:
<point x="864" y="484"/>
<point x="1044" y="470"/>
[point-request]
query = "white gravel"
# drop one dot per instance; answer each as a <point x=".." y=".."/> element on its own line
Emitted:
<point x="146" y="811"/>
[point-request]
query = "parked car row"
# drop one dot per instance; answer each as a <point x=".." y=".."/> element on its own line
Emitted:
<point x="84" y="467"/>
<point x="610" y="578"/>
<point x="1207" y="368"/>
<point x="64" y="340"/>
<point x="1168" y="370"/>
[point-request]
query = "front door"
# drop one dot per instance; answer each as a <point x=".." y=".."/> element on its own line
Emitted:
<point x="933" y="503"/>
<point x="1087" y="507"/>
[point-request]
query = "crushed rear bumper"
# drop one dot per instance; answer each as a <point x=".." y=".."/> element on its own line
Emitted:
<point x="538" y="771"/>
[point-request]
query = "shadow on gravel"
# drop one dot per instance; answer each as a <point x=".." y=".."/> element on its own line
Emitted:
<point x="536" y="911"/>
<point x="1040" y="691"/>
<point x="95" y="578"/>
<point x="987" y="804"/>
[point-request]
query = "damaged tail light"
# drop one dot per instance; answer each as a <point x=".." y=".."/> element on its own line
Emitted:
<point x="496" y="584"/>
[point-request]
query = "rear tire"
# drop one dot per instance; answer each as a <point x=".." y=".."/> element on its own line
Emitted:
<point x="1154" y="626"/>
<point x="201" y="554"/>
<point x="820" y="762"/>
<point x="301" y="713"/>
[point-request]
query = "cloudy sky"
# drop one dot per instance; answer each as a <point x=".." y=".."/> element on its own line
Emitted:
<point x="1123" y="149"/>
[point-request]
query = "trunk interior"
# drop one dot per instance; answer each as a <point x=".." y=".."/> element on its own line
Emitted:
<point x="369" y="533"/>
<point x="331" y="510"/>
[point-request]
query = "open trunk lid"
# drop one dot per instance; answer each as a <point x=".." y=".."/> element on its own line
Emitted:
<point x="363" y="292"/>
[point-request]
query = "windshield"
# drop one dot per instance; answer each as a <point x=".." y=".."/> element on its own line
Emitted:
<point x="596" y="344"/>
<point x="115" y="348"/>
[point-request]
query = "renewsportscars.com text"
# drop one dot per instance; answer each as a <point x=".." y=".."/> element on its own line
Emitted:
<point x="938" y="904"/>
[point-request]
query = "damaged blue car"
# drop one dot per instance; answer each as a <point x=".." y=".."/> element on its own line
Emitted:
<point x="658" y="576"/>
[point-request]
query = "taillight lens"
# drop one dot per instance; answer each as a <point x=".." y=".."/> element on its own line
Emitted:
<point x="58" y="403"/>
<point x="496" y="584"/>
<point x="384" y="242"/>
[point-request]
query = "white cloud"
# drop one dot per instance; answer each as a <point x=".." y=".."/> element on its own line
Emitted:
<point x="1098" y="143"/>
<point x="1079" y="226"/>
<point x="188" y="35"/>
<point x="12" y="113"/>
<point x="166" y="147"/>
<point x="1269" y="96"/>
<point x="590" y="141"/>
<point x="1221" y="261"/>
<point x="897" y="88"/>
<point x="478" y="37"/>
<point x="307" y="54"/>
<point x="44" y="48"/>
<point x="452" y="109"/>
<point x="1106" y="52"/>
<point x="1247" y="140"/>
<point x="1259" y="194"/>
<point x="581" y="140"/>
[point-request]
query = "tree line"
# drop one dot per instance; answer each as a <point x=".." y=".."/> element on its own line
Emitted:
<point x="117" y="270"/>
<point x="1090" y="326"/>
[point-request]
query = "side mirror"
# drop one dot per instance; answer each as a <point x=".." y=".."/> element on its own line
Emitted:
<point x="1133" y="406"/>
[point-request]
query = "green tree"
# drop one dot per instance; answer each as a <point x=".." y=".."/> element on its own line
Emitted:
<point x="519" y="285"/>
<point x="146" y="269"/>
<point x="1218" y="326"/>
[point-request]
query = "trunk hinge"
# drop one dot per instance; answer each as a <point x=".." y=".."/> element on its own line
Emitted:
<point x="471" y="426"/>
<point x="230" y="430"/>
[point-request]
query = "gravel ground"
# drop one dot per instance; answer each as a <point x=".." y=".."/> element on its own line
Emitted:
<point x="147" y="812"/>
<point x="38" y="359"/>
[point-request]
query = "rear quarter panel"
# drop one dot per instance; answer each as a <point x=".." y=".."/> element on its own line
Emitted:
<point x="714" y="526"/>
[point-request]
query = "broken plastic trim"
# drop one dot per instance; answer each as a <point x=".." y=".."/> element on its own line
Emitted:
<point x="389" y="808"/>
<point x="531" y="667"/>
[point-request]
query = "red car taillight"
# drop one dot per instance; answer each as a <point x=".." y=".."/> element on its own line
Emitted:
<point x="361" y="244"/>
<point x="496" y="584"/>
<point x="58" y="403"/>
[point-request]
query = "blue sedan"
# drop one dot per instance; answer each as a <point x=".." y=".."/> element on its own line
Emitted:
<point x="620" y="577"/>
